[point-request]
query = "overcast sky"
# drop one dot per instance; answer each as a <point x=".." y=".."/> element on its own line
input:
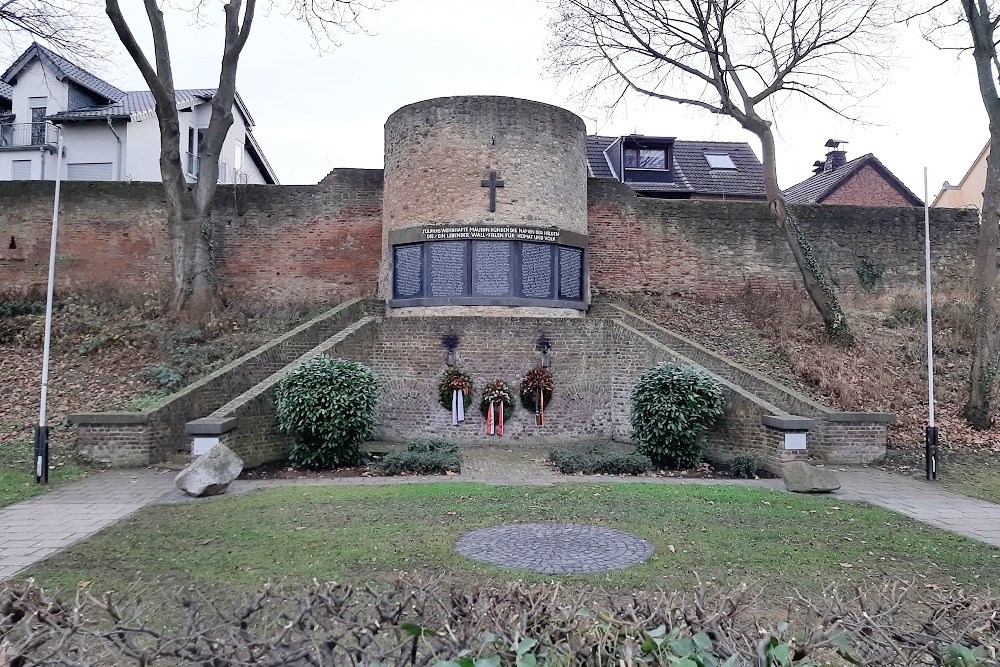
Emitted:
<point x="318" y="111"/>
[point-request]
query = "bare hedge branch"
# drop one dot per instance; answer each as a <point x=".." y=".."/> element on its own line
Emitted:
<point x="425" y="623"/>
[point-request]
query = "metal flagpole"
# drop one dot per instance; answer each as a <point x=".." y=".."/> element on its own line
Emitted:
<point x="931" y="437"/>
<point x="42" y="431"/>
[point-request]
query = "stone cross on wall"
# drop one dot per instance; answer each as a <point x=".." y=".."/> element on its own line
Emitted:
<point x="492" y="183"/>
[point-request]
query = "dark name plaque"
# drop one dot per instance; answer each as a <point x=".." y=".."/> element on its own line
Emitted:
<point x="408" y="276"/>
<point x="570" y="274"/>
<point x="536" y="271"/>
<point x="500" y="272"/>
<point x="491" y="268"/>
<point x="447" y="268"/>
<point x="490" y="232"/>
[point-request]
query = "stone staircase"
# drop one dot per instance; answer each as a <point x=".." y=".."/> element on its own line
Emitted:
<point x="839" y="437"/>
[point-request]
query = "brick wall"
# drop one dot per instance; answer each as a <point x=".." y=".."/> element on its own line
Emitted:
<point x="322" y="243"/>
<point x="276" y="243"/>
<point x="867" y="187"/>
<point x="716" y="247"/>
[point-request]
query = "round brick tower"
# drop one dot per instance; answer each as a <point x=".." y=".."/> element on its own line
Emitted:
<point x="484" y="208"/>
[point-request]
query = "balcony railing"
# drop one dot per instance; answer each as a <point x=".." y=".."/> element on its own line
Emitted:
<point x="26" y="135"/>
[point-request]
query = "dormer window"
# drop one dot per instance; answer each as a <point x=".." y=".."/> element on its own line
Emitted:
<point x="720" y="161"/>
<point x="645" y="158"/>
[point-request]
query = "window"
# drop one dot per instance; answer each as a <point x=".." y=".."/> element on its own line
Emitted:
<point x="720" y="161"/>
<point x="196" y="137"/>
<point x="645" y="158"/>
<point x="37" y="105"/>
<point x="88" y="171"/>
<point x="20" y="170"/>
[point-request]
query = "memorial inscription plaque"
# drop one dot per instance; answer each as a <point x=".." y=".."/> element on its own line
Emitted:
<point x="447" y="268"/>
<point x="443" y="265"/>
<point x="536" y="271"/>
<point x="491" y="268"/>
<point x="570" y="273"/>
<point x="409" y="278"/>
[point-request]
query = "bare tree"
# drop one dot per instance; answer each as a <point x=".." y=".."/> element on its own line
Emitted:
<point x="68" y="26"/>
<point x="189" y="206"/>
<point x="738" y="58"/>
<point x="980" y="18"/>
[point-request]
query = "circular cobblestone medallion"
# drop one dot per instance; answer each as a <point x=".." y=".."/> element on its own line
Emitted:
<point x="554" y="548"/>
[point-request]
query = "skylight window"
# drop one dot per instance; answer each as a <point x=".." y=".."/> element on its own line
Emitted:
<point x="720" y="161"/>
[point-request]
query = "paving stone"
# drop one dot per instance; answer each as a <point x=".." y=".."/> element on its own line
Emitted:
<point x="555" y="548"/>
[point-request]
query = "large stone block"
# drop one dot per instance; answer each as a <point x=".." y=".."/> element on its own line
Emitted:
<point x="800" y="477"/>
<point x="210" y="474"/>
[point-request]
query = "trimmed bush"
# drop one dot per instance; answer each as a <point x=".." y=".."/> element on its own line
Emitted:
<point x="744" y="466"/>
<point x="595" y="460"/>
<point x="672" y="407"/>
<point x="423" y="457"/>
<point x="328" y="406"/>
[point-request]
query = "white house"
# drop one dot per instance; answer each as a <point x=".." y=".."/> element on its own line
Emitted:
<point x="108" y="134"/>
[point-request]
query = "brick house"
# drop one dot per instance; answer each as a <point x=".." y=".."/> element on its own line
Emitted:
<point x="863" y="181"/>
<point x="665" y="168"/>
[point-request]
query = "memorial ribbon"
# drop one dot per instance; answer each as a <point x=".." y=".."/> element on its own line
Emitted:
<point x="489" y="420"/>
<point x="457" y="407"/>
<point x="500" y="425"/>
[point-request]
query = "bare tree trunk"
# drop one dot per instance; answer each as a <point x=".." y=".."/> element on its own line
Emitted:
<point x="986" y="346"/>
<point x="986" y="315"/>
<point x="816" y="282"/>
<point x="189" y="207"/>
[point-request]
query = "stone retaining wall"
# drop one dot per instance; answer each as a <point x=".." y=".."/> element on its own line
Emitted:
<point x="152" y="435"/>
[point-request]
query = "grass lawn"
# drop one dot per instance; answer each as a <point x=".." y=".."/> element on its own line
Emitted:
<point x="17" y="469"/>
<point x="977" y="476"/>
<point x="367" y="534"/>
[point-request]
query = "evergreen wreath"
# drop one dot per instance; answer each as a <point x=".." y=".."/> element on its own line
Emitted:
<point x="497" y="391"/>
<point x="453" y="379"/>
<point x="535" y="380"/>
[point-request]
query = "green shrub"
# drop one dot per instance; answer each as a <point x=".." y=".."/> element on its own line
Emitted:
<point x="328" y="406"/>
<point x="16" y="308"/>
<point x="744" y="466"/>
<point x="594" y="459"/>
<point x="869" y="274"/>
<point x="672" y="407"/>
<point x="423" y="457"/>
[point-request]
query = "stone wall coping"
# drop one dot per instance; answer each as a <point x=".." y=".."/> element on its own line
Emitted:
<point x="788" y="422"/>
<point x="862" y="417"/>
<point x="819" y="407"/>
<point x="110" y="418"/>
<point x="210" y="426"/>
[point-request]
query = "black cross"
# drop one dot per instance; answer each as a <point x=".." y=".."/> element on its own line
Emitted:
<point x="492" y="183"/>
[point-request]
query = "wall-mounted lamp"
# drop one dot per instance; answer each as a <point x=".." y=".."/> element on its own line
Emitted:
<point x="544" y="345"/>
<point x="450" y="343"/>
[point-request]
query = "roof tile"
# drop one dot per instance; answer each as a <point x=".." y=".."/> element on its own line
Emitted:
<point x="692" y="173"/>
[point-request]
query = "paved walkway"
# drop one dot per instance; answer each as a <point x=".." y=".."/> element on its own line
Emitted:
<point x="35" y="529"/>
<point x="923" y="501"/>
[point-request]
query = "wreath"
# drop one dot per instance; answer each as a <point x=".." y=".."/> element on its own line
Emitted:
<point x="536" y="380"/>
<point x="453" y="379"/>
<point x="497" y="391"/>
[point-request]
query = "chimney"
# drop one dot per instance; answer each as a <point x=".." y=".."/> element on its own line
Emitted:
<point x="835" y="157"/>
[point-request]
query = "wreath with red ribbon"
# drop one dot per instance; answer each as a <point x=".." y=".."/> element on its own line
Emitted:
<point x="536" y="392"/>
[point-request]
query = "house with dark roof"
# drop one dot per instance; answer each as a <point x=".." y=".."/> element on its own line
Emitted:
<point x="107" y="134"/>
<point x="863" y="181"/>
<point x="668" y="168"/>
